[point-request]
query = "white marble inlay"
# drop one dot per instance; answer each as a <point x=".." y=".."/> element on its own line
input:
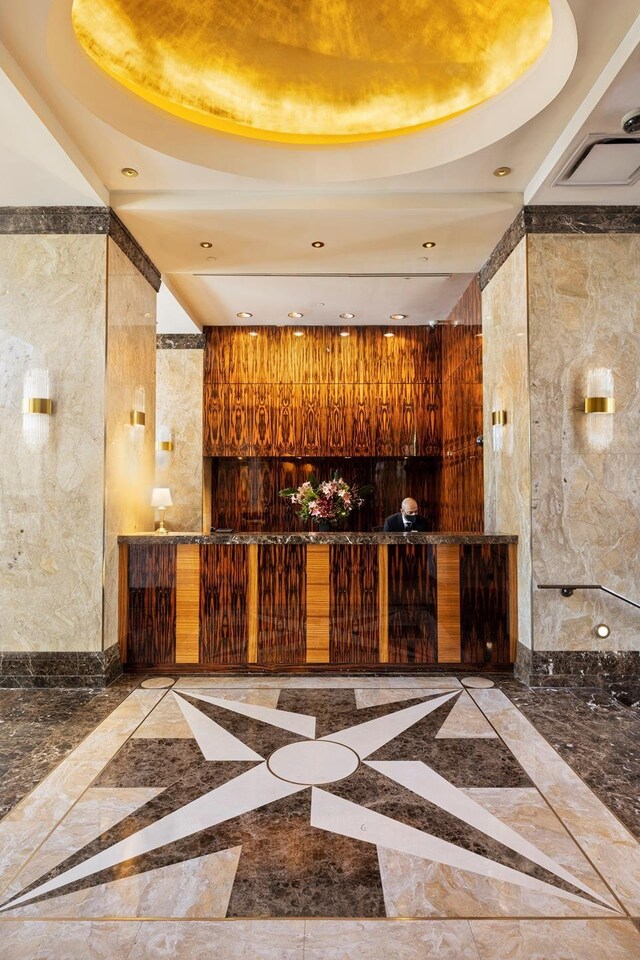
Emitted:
<point x="214" y="741"/>
<point x="313" y="761"/>
<point x="160" y="683"/>
<point x="477" y="683"/>
<point x="294" y="722"/>
<point x="465" y="720"/>
<point x="421" y="779"/>
<point x="380" y="697"/>
<point x="366" y="738"/>
<point x="249" y="791"/>
<point x="329" y="812"/>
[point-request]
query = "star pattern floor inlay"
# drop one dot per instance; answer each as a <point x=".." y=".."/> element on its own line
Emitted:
<point x="368" y="799"/>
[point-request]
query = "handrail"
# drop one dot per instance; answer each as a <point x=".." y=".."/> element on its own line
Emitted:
<point x="566" y="589"/>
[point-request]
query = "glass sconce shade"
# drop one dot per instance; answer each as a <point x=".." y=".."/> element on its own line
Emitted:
<point x="37" y="407"/>
<point x="599" y="405"/>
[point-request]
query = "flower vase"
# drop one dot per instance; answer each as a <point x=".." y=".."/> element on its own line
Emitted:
<point x="324" y="527"/>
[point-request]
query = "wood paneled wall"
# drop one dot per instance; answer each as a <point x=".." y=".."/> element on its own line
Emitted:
<point x="321" y="394"/>
<point x="461" y="489"/>
<point x="244" y="493"/>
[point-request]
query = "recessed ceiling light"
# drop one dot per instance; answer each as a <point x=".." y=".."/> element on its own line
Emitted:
<point x="347" y="316"/>
<point x="398" y="316"/>
<point x="502" y="171"/>
<point x="130" y="172"/>
<point x="295" y="315"/>
<point x="423" y="258"/>
<point x="317" y="244"/>
<point x="389" y="333"/>
<point x="212" y="258"/>
<point x="345" y="333"/>
<point x="244" y="315"/>
<point x="206" y="245"/>
<point x="429" y="245"/>
<point x="298" y="333"/>
<point x="253" y="333"/>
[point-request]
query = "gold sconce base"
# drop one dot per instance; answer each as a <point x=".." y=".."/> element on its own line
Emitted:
<point x="137" y="418"/>
<point x="599" y="405"/>
<point x="164" y="445"/>
<point x="37" y="405"/>
<point x="498" y="418"/>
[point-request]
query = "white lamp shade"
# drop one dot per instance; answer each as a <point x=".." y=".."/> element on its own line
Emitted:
<point x="161" y="497"/>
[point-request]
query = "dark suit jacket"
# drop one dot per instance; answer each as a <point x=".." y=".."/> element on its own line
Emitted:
<point x="395" y="524"/>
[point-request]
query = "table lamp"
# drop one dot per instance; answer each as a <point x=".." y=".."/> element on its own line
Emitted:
<point x="161" y="498"/>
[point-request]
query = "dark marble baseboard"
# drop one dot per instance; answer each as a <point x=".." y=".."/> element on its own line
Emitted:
<point x="180" y="341"/>
<point x="576" y="668"/>
<point x="80" y="221"/>
<point x="78" y="669"/>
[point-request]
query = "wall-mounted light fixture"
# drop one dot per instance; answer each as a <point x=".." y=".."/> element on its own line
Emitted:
<point x="137" y="419"/>
<point x="164" y="446"/>
<point x="37" y="407"/>
<point x="599" y="404"/>
<point x="161" y="499"/>
<point x="498" y="423"/>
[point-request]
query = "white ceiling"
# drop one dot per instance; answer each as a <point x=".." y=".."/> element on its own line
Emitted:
<point x="54" y="150"/>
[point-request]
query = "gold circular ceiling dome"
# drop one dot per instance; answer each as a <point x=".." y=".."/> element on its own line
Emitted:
<point x="314" y="71"/>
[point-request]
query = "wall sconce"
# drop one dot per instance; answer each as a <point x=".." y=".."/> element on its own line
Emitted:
<point x="137" y="419"/>
<point x="498" y="423"/>
<point x="37" y="407"/>
<point x="599" y="403"/>
<point x="164" y="446"/>
<point x="161" y="498"/>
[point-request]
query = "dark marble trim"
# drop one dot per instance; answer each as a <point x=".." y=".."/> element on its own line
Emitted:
<point x="503" y="249"/>
<point x="132" y="249"/>
<point x="346" y="538"/>
<point x="80" y="221"/>
<point x="60" y="220"/>
<point x="574" y="219"/>
<point x="575" y="668"/>
<point x="53" y="669"/>
<point x="568" y="219"/>
<point x="180" y="341"/>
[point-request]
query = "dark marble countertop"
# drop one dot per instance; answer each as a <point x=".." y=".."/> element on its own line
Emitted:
<point x="312" y="537"/>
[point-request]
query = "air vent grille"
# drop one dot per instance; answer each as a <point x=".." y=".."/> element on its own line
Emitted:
<point x="602" y="161"/>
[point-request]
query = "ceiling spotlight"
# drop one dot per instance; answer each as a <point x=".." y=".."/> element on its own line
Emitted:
<point x="423" y="258"/>
<point x="298" y="333"/>
<point x="389" y="333"/>
<point x="244" y="315"/>
<point x="253" y="333"/>
<point x="317" y="244"/>
<point x="345" y="333"/>
<point x="206" y="245"/>
<point x="129" y="172"/>
<point x="429" y="245"/>
<point x="295" y="315"/>
<point x="347" y="316"/>
<point x="602" y="630"/>
<point x="398" y="316"/>
<point x="502" y="171"/>
<point x="433" y="323"/>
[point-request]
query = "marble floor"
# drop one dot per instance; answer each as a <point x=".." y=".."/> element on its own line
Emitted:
<point x="315" y="818"/>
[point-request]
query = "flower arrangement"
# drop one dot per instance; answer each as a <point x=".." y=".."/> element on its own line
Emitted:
<point x="326" y="502"/>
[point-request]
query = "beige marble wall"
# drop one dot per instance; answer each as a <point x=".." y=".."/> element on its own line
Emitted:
<point x="52" y="314"/>
<point x="179" y="407"/>
<point x="129" y="470"/>
<point x="584" y="311"/>
<point x="507" y="474"/>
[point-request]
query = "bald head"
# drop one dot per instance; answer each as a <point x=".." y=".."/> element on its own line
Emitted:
<point x="409" y="506"/>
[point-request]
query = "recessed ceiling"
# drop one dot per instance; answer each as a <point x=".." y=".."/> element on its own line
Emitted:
<point x="315" y="72"/>
<point x="219" y="300"/>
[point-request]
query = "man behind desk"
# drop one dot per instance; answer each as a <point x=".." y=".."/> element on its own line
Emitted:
<point x="407" y="520"/>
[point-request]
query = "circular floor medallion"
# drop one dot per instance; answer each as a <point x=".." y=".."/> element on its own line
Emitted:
<point x="312" y="762"/>
<point x="477" y="683"/>
<point x="157" y="683"/>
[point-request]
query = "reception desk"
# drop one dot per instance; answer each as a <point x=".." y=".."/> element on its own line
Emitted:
<point x="317" y="601"/>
